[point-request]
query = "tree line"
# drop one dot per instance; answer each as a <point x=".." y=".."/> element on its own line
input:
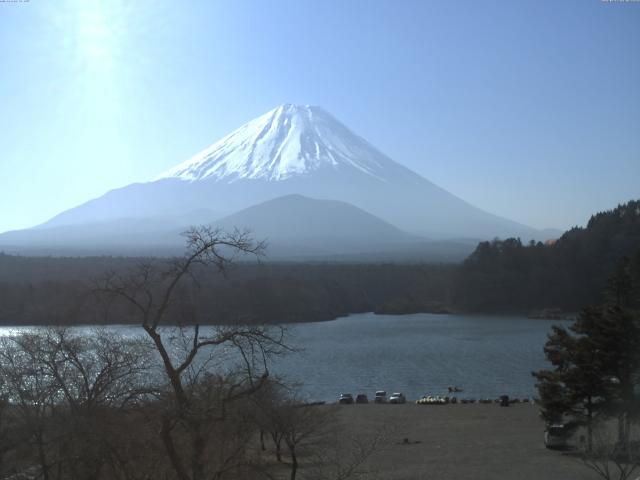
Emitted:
<point x="500" y="276"/>
<point x="250" y="293"/>
<point x="567" y="273"/>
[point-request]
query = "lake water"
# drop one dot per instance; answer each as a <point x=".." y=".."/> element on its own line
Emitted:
<point x="487" y="356"/>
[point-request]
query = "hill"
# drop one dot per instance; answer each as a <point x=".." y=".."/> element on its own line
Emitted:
<point x="568" y="273"/>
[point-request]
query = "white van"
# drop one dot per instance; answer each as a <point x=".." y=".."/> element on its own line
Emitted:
<point x="556" y="436"/>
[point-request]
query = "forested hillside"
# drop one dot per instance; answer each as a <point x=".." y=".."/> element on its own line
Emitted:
<point x="568" y="273"/>
<point x="50" y="290"/>
<point x="500" y="276"/>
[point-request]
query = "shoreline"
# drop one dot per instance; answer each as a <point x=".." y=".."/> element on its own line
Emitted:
<point x="569" y="316"/>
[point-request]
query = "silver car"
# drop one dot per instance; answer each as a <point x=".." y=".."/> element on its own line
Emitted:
<point x="397" y="398"/>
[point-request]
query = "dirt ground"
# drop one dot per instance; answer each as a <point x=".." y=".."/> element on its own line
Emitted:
<point x="473" y="441"/>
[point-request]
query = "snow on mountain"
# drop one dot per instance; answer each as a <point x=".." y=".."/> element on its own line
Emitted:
<point x="289" y="140"/>
<point x="299" y="150"/>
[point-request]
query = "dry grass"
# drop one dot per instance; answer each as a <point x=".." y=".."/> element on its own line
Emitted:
<point x="461" y="442"/>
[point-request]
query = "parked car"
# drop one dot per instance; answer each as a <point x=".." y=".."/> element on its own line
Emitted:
<point x="556" y="436"/>
<point x="361" y="398"/>
<point x="345" y="399"/>
<point x="397" y="398"/>
<point x="381" y="397"/>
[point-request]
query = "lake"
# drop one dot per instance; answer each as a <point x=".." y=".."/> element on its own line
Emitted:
<point x="486" y="355"/>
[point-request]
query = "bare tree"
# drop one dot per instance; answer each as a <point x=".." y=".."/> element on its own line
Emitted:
<point x="196" y="400"/>
<point x="344" y="456"/>
<point x="612" y="459"/>
<point x="64" y="388"/>
<point x="34" y="394"/>
<point x="268" y="410"/>
<point x="311" y="436"/>
<point x="98" y="375"/>
<point x="7" y="443"/>
<point x="305" y="426"/>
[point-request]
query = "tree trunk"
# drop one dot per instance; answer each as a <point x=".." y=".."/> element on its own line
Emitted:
<point x="42" y="457"/>
<point x="277" y="441"/>
<point x="621" y="425"/>
<point x="294" y="462"/>
<point x="172" y="373"/>
<point x="197" y="451"/>
<point x="167" y="440"/>
<point x="589" y="425"/>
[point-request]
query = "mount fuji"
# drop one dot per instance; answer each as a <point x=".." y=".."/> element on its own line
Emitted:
<point x="293" y="150"/>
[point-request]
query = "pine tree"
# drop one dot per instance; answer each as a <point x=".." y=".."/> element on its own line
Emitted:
<point x="597" y="361"/>
<point x="573" y="392"/>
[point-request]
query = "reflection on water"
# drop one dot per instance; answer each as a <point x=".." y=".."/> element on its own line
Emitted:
<point x="416" y="354"/>
<point x="485" y="355"/>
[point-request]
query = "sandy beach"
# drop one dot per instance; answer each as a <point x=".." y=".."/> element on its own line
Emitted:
<point x="473" y="441"/>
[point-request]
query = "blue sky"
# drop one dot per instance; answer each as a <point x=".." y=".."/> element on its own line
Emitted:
<point x="528" y="109"/>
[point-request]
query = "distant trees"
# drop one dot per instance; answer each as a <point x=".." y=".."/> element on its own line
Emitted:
<point x="255" y="293"/>
<point x="500" y="275"/>
<point x="568" y="273"/>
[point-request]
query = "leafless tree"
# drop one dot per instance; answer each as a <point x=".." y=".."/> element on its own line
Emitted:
<point x="344" y="456"/>
<point x="180" y="402"/>
<point x="33" y="392"/>
<point x="305" y="426"/>
<point x="63" y="388"/>
<point x="6" y="441"/>
<point x="268" y="413"/>
<point x="197" y="398"/>
<point x="99" y="374"/>
<point x="309" y="439"/>
<point x="612" y="459"/>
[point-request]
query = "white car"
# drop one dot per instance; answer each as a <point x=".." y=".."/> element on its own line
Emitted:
<point x="381" y="397"/>
<point x="397" y="398"/>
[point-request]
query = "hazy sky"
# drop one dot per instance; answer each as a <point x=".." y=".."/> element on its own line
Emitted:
<point x="530" y="110"/>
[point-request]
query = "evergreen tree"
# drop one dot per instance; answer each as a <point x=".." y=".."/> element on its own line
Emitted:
<point x="597" y="361"/>
<point x="574" y="391"/>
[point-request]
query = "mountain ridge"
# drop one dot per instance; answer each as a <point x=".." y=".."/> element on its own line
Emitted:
<point x="331" y="226"/>
<point x="286" y="141"/>
<point x="298" y="150"/>
<point x="296" y="228"/>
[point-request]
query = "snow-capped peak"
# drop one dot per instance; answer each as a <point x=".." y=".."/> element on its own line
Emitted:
<point x="288" y="141"/>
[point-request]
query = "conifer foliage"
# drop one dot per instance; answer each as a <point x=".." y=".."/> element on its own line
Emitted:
<point x="596" y="361"/>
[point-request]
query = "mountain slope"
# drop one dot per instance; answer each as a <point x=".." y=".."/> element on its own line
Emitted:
<point x="286" y="142"/>
<point x="323" y="226"/>
<point x="296" y="228"/>
<point x="298" y="150"/>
